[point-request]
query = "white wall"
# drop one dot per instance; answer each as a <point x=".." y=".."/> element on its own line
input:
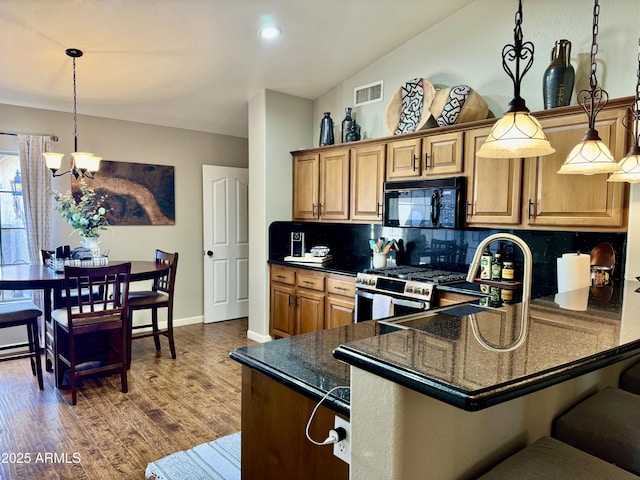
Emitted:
<point x="135" y="142"/>
<point x="278" y="123"/>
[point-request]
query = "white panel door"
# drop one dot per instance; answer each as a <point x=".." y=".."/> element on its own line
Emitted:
<point x="226" y="242"/>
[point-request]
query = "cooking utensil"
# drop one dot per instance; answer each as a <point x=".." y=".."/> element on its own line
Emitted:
<point x="603" y="255"/>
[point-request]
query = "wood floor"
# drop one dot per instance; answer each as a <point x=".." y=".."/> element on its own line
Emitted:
<point x="171" y="405"/>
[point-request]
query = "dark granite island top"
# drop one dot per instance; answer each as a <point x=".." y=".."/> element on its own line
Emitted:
<point x="441" y="356"/>
<point x="306" y="364"/>
<point x="444" y="359"/>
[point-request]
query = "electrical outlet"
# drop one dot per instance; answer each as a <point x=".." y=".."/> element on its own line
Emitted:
<point x="342" y="449"/>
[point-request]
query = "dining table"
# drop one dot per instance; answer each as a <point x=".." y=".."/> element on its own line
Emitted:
<point x="51" y="282"/>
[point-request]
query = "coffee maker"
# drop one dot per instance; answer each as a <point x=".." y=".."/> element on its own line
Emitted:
<point x="297" y="244"/>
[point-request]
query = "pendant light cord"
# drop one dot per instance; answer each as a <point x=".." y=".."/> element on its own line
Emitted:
<point x="75" y="110"/>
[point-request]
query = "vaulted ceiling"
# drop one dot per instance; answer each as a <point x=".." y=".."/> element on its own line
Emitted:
<point x="194" y="64"/>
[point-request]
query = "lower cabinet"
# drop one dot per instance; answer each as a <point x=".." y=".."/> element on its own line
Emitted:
<point x="303" y="301"/>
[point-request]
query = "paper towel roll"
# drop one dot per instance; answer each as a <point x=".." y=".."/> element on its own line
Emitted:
<point x="574" y="271"/>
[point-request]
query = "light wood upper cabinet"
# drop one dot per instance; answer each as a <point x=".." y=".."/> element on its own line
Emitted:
<point x="443" y="154"/>
<point x="334" y="184"/>
<point x="321" y="185"/>
<point x="306" y="181"/>
<point x="403" y="159"/>
<point x="576" y="200"/>
<point x="418" y="158"/>
<point x="494" y="185"/>
<point x="367" y="179"/>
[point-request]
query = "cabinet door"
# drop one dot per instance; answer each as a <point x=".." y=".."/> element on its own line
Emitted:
<point x="334" y="184"/>
<point x="340" y="311"/>
<point x="576" y="200"/>
<point x="494" y="185"/>
<point x="443" y="154"/>
<point x="282" y="310"/>
<point x="306" y="181"/>
<point x="403" y="159"/>
<point x="310" y="311"/>
<point x="367" y="179"/>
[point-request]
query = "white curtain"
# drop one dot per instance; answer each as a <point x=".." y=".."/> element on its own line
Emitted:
<point x="36" y="185"/>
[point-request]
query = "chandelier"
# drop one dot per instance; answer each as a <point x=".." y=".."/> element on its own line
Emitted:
<point x="83" y="164"/>
<point x="517" y="134"/>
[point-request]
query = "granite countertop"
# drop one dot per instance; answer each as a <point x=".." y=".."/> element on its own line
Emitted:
<point x="342" y="266"/>
<point x="443" y="358"/>
<point x="306" y="363"/>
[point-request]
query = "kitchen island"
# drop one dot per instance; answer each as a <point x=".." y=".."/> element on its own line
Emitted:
<point x="438" y="398"/>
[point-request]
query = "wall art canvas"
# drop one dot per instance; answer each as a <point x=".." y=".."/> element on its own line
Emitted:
<point x="136" y="193"/>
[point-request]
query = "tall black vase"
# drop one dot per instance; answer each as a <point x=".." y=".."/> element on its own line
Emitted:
<point x="347" y="123"/>
<point x="558" y="79"/>
<point x="326" y="130"/>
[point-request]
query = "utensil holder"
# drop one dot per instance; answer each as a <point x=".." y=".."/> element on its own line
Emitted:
<point x="379" y="260"/>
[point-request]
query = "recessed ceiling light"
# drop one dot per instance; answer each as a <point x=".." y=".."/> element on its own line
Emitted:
<point x="270" y="32"/>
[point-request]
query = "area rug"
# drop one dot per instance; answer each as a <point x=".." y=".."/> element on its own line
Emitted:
<point x="217" y="460"/>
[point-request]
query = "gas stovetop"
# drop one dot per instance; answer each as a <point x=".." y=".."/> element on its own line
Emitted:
<point x="419" y="274"/>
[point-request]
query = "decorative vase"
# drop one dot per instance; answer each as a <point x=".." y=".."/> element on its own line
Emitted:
<point x="326" y="130"/>
<point x="558" y="79"/>
<point x="93" y="244"/>
<point x="347" y="123"/>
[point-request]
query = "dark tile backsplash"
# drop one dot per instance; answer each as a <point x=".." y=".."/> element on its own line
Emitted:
<point x="446" y="249"/>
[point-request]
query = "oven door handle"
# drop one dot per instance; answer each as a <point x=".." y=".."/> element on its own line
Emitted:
<point x="397" y="301"/>
<point x="409" y="303"/>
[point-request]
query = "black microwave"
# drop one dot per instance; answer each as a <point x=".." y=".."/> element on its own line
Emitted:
<point x="437" y="203"/>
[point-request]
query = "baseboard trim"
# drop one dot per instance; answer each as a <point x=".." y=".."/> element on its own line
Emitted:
<point x="180" y="322"/>
<point x="257" y="337"/>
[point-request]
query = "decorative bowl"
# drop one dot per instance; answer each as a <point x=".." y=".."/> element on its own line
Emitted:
<point x="320" y="251"/>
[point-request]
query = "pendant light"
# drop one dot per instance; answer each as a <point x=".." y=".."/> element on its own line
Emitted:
<point x="591" y="155"/>
<point x="630" y="165"/>
<point x="518" y="133"/>
<point x="83" y="164"/>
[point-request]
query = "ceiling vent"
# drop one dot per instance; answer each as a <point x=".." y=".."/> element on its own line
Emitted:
<point x="368" y="94"/>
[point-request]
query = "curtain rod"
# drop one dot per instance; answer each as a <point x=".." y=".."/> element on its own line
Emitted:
<point x="54" y="138"/>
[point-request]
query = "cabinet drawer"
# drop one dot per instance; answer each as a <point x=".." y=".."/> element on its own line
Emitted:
<point x="312" y="282"/>
<point x="283" y="275"/>
<point x="341" y="287"/>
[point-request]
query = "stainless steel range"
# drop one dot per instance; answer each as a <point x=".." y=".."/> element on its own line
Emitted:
<point x="398" y="291"/>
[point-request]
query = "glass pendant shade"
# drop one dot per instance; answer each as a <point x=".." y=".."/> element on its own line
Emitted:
<point x="589" y="157"/>
<point x="93" y="164"/>
<point x="82" y="159"/>
<point x="516" y="135"/>
<point x="629" y="167"/>
<point x="53" y="160"/>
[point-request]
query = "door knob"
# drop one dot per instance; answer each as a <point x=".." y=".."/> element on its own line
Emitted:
<point x="210" y="253"/>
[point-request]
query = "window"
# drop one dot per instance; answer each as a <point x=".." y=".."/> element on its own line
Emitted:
<point x="13" y="233"/>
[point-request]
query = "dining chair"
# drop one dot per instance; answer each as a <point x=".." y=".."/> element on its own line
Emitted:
<point x="59" y="296"/>
<point x="91" y="336"/>
<point x="15" y="314"/>
<point x="160" y="296"/>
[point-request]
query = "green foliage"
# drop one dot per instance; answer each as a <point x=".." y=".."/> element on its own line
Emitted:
<point x="84" y="212"/>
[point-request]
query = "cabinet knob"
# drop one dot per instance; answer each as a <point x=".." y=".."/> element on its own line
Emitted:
<point x="426" y="161"/>
<point x="469" y="209"/>
<point x="379" y="209"/>
<point x="531" y="204"/>
<point x="313" y="210"/>
<point x="415" y="161"/>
